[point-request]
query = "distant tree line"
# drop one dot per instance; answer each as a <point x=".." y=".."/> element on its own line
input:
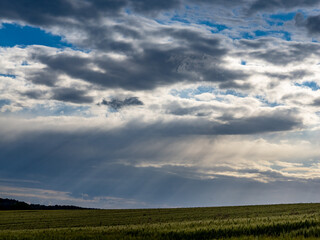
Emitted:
<point x="11" y="204"/>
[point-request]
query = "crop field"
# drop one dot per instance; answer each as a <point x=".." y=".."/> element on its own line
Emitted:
<point x="292" y="221"/>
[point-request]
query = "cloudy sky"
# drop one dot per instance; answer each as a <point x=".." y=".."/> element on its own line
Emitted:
<point x="146" y="103"/>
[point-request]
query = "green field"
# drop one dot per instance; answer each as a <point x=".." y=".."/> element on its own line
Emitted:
<point x="293" y="221"/>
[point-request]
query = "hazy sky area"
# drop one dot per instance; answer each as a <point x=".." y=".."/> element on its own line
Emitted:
<point x="147" y="103"/>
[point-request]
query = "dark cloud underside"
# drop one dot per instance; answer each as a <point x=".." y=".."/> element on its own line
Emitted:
<point x="199" y="60"/>
<point x="99" y="163"/>
<point x="311" y="23"/>
<point x="296" y="52"/>
<point x="270" y="5"/>
<point x="71" y="95"/>
<point x="117" y="103"/>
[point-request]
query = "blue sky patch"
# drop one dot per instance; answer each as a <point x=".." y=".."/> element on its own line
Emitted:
<point x="266" y="102"/>
<point x="218" y="27"/>
<point x="24" y="63"/>
<point x="191" y="92"/>
<point x="160" y="21"/>
<point x="310" y="84"/>
<point x="7" y="75"/>
<point x="259" y="33"/>
<point x="128" y="11"/>
<point x="274" y="23"/>
<point x="233" y="93"/>
<point x="179" y="19"/>
<point x="4" y="102"/>
<point x="283" y="16"/>
<point x="185" y="93"/>
<point x="204" y="89"/>
<point x="13" y="34"/>
<point x="282" y="34"/>
<point x="57" y="110"/>
<point x="246" y="35"/>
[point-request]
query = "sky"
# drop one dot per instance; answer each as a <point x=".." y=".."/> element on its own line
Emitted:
<point x="154" y="104"/>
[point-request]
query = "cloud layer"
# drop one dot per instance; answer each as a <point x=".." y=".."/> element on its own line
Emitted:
<point x="161" y="103"/>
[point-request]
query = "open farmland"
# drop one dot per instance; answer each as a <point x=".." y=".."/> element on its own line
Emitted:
<point x="297" y="221"/>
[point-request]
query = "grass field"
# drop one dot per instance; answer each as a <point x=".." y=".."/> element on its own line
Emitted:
<point x="293" y="221"/>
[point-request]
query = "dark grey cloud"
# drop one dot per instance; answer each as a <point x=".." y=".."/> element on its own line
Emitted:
<point x="299" y="19"/>
<point x="316" y="102"/>
<point x="161" y="188"/>
<point x="253" y="44"/>
<point x="61" y="94"/>
<point x="276" y="121"/>
<point x="294" y="75"/>
<point x="146" y="71"/>
<point x="34" y="94"/>
<point x="197" y="59"/>
<point x="194" y="111"/>
<point x="291" y="76"/>
<point x="44" y="77"/>
<point x="117" y="103"/>
<point x="235" y="85"/>
<point x="44" y="13"/>
<point x="295" y="97"/>
<point x="98" y="163"/>
<point x="277" y="52"/>
<point x="195" y="56"/>
<point x="202" y="110"/>
<point x="195" y="42"/>
<point x="294" y="52"/>
<point x="221" y="2"/>
<point x="271" y="122"/>
<point x="175" y="108"/>
<point x="253" y="125"/>
<point x="96" y="37"/>
<point x="71" y="95"/>
<point x="311" y="23"/>
<point x="147" y="6"/>
<point x="127" y="31"/>
<point x="103" y="38"/>
<point x="270" y="5"/>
